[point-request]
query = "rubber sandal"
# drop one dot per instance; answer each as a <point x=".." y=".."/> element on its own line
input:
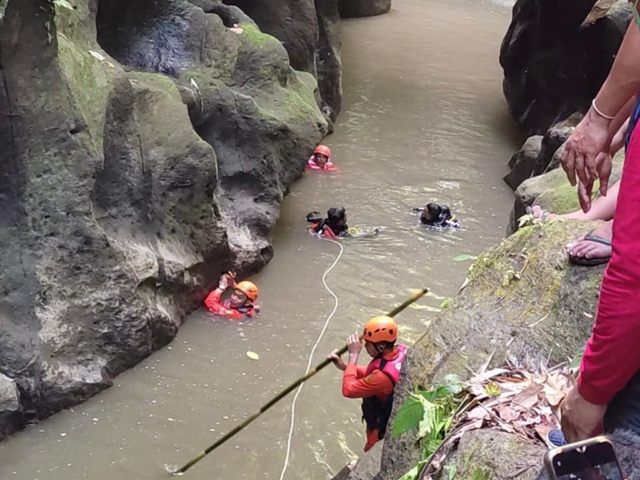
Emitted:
<point x="592" y="262"/>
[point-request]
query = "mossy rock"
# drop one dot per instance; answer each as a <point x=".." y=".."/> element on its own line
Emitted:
<point x="503" y="455"/>
<point x="147" y="147"/>
<point x="523" y="303"/>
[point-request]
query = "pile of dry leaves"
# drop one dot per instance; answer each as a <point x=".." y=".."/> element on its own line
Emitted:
<point x="512" y="400"/>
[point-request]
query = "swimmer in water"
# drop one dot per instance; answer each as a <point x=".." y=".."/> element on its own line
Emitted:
<point x="240" y="305"/>
<point x="321" y="159"/>
<point x="335" y="225"/>
<point x="437" y="216"/>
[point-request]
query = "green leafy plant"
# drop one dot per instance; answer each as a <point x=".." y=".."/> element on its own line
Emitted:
<point x="451" y="471"/>
<point x="431" y="413"/>
<point x="526" y="220"/>
<point x="575" y="363"/>
<point x="481" y="474"/>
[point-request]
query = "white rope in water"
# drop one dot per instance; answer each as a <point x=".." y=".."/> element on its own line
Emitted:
<point x="313" y="351"/>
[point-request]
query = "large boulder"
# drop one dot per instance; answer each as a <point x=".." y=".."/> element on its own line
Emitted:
<point x="328" y="57"/>
<point x="146" y="149"/>
<point x="309" y="30"/>
<point x="540" y="152"/>
<point x="523" y="303"/>
<point x="9" y="405"/>
<point x="522" y="163"/>
<point x="502" y="454"/>
<point x="552" y="65"/>
<point x="367" y="467"/>
<point x="363" y="8"/>
<point x="293" y="22"/>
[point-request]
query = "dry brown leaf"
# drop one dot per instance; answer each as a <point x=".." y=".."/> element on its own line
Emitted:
<point x="599" y="10"/>
<point x="529" y="397"/>
<point x="488" y="375"/>
<point x="507" y="413"/>
<point x="478" y="413"/>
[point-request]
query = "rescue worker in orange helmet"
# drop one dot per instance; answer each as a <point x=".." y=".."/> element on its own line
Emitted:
<point x="240" y="305"/>
<point x="321" y="159"/>
<point x="376" y="382"/>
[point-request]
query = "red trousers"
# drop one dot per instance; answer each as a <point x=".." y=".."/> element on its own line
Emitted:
<point x="612" y="356"/>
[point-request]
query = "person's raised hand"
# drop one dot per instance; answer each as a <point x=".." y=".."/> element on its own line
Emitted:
<point x="337" y="360"/>
<point x="354" y="344"/>
<point x="227" y="280"/>
<point x="589" y="138"/>
<point x="580" y="419"/>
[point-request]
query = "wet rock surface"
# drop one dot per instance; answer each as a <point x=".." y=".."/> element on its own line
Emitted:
<point x="363" y="8"/>
<point x="552" y="65"/>
<point x="309" y="31"/>
<point x="540" y="153"/>
<point x="148" y="149"/>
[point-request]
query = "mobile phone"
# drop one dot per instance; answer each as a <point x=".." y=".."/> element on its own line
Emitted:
<point x="593" y="459"/>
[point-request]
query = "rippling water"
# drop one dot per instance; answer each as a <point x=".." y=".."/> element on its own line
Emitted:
<point x="424" y="119"/>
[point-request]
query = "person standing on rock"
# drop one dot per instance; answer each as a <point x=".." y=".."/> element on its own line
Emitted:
<point x="608" y="391"/>
<point x="321" y="159"/>
<point x="242" y="302"/>
<point x="376" y="382"/>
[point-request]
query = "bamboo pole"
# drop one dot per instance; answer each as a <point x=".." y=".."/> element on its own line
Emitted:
<point x="414" y="298"/>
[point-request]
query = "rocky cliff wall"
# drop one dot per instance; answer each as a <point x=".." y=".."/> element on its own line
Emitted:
<point x="553" y="64"/>
<point x="146" y="147"/>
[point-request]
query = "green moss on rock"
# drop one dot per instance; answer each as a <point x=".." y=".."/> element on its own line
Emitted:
<point x="499" y="453"/>
<point x="255" y="36"/>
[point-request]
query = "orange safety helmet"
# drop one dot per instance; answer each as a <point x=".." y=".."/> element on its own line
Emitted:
<point x="323" y="150"/>
<point x="249" y="289"/>
<point x="381" y="329"/>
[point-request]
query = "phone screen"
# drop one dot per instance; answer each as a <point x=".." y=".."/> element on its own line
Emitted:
<point x="590" y="462"/>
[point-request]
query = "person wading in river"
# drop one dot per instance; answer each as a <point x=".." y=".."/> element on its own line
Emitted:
<point x="376" y="382"/>
<point x="242" y="301"/>
<point x="335" y="225"/>
<point x="321" y="159"/>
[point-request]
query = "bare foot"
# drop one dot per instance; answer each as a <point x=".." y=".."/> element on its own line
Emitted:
<point x="592" y="249"/>
<point x="541" y="214"/>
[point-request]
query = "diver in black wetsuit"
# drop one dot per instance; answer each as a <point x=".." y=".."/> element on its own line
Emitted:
<point x="438" y="216"/>
<point x="335" y="225"/>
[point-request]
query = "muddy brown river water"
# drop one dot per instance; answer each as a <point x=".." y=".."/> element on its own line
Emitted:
<point x="424" y="119"/>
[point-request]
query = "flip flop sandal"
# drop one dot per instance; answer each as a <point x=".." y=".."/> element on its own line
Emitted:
<point x="592" y="262"/>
